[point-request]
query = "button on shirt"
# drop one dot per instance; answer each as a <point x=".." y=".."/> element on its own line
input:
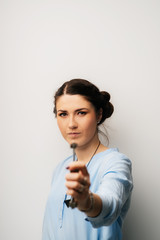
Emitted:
<point x="110" y="176"/>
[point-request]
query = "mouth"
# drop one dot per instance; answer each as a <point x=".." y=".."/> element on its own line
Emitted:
<point x="74" y="134"/>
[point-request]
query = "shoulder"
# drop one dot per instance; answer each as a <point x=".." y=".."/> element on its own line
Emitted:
<point x="112" y="153"/>
<point x="113" y="159"/>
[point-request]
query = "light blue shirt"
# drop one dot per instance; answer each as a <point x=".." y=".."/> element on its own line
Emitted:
<point x="110" y="176"/>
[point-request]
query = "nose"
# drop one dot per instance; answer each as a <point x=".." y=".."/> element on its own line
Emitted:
<point x="72" y="123"/>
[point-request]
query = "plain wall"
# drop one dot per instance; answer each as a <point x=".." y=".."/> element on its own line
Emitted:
<point x="116" y="45"/>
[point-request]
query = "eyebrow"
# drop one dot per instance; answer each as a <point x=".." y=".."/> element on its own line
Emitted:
<point x="77" y="110"/>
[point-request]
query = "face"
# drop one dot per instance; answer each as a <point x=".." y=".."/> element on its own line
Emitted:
<point x="77" y="119"/>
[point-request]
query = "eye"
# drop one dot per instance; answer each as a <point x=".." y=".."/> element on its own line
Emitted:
<point x="82" y="113"/>
<point x="63" y="114"/>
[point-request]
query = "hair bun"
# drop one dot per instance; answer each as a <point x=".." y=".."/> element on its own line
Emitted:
<point x="106" y="95"/>
<point x="106" y="105"/>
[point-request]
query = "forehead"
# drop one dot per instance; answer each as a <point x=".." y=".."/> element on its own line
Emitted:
<point x="67" y="101"/>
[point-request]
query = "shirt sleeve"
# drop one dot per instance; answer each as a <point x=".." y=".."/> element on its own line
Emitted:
<point x="115" y="191"/>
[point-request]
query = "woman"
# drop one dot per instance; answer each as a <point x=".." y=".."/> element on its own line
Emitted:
<point x="89" y="197"/>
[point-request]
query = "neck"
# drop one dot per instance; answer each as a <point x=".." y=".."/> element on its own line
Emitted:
<point x="86" y="153"/>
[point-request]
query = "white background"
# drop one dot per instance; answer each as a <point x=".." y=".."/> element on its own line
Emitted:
<point x="116" y="45"/>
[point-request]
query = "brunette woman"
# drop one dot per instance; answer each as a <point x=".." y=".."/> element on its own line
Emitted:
<point x="89" y="197"/>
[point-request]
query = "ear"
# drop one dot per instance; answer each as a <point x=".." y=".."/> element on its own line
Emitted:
<point x="99" y="115"/>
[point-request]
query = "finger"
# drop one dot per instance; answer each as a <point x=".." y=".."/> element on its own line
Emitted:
<point x="85" y="180"/>
<point x="72" y="193"/>
<point x="75" y="186"/>
<point x="78" y="196"/>
<point x="72" y="176"/>
<point x="74" y="166"/>
<point x="78" y="177"/>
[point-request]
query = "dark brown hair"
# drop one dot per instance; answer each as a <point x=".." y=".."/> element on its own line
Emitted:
<point x="99" y="99"/>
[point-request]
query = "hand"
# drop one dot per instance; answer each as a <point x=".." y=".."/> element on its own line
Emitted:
<point x="78" y="183"/>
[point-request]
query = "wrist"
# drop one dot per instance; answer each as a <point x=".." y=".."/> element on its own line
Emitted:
<point x="91" y="203"/>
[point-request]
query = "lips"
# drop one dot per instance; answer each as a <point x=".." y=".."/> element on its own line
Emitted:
<point x="74" y="134"/>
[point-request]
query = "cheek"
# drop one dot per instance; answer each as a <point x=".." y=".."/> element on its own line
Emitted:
<point x="90" y="125"/>
<point x="60" y="126"/>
